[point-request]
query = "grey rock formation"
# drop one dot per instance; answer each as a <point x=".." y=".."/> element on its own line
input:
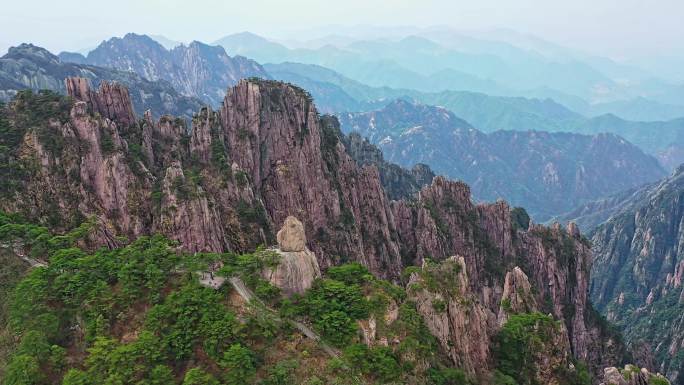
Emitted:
<point x="196" y="70"/>
<point x="297" y="266"/>
<point x="631" y="375"/>
<point x="31" y="67"/>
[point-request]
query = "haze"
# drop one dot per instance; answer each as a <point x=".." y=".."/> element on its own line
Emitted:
<point x="620" y="29"/>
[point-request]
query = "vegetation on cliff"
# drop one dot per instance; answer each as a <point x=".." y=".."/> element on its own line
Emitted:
<point x="138" y="315"/>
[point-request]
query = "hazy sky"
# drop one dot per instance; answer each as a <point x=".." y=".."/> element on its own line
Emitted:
<point x="615" y="28"/>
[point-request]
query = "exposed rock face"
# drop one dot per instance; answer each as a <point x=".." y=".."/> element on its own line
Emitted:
<point x="631" y="375"/>
<point x="111" y="100"/>
<point x="31" y="67"/>
<point x="266" y="155"/>
<point x="456" y="316"/>
<point x="547" y="173"/>
<point x="297" y="266"/>
<point x="638" y="270"/>
<point x="196" y="70"/>
<point x="398" y="182"/>
<point x="291" y="236"/>
<point x="517" y="295"/>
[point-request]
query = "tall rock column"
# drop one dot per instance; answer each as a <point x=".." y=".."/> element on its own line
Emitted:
<point x="112" y="100"/>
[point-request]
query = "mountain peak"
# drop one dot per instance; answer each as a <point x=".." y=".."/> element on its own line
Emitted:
<point x="30" y="50"/>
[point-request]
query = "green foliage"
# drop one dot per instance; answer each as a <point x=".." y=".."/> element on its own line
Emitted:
<point x="239" y="361"/>
<point x="439" y="305"/>
<point x="517" y="342"/>
<point x="191" y="316"/>
<point x="520" y="219"/>
<point x="440" y="277"/>
<point x="327" y="295"/>
<point x="23" y="369"/>
<point x="142" y="318"/>
<point x="197" y="376"/>
<point x="506" y="305"/>
<point x="350" y="273"/>
<point x="106" y="142"/>
<point x="447" y="376"/>
<point x="658" y="381"/>
<point x="503" y="379"/>
<point x="76" y="377"/>
<point x="518" y="345"/>
<point x="378" y="362"/>
<point x="281" y="374"/>
<point x="34" y="110"/>
<point x="336" y="327"/>
<point x="334" y="306"/>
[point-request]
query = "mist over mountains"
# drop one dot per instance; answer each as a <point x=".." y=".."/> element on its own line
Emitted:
<point x="202" y="72"/>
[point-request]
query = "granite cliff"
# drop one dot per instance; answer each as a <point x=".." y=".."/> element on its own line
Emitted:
<point x="637" y="274"/>
<point x="265" y="155"/>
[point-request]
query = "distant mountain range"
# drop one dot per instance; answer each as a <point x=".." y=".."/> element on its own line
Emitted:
<point x="441" y="61"/>
<point x="196" y="70"/>
<point x="488" y="113"/>
<point x="28" y="66"/>
<point x="190" y="75"/>
<point x="547" y="173"/>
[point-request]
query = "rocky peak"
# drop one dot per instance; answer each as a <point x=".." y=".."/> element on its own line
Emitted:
<point x="111" y="100"/>
<point x="196" y="70"/>
<point x="398" y="182"/>
<point x="32" y="52"/>
<point x="638" y="270"/>
<point x="517" y="295"/>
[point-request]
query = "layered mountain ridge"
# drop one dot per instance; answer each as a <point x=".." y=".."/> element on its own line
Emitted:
<point x="196" y="70"/>
<point x="31" y="67"/>
<point x="266" y="154"/>
<point x="547" y="173"/>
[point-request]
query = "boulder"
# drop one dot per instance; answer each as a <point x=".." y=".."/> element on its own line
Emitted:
<point x="297" y="266"/>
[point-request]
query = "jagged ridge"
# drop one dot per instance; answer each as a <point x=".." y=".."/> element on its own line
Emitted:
<point x="265" y="155"/>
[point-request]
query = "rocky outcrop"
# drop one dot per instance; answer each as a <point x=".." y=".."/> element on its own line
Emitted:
<point x="297" y="266"/>
<point x="454" y="313"/>
<point x="266" y="155"/>
<point x="111" y="100"/>
<point x="631" y="375"/>
<point x="517" y="295"/>
<point x="398" y="182"/>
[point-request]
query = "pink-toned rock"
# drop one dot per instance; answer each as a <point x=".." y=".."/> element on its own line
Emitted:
<point x="111" y="100"/>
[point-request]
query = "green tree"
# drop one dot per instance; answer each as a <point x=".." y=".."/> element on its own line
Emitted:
<point x="76" y="377"/>
<point x="350" y="273"/>
<point x="239" y="361"/>
<point x="23" y="370"/>
<point x="336" y="327"/>
<point x="197" y="376"/>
